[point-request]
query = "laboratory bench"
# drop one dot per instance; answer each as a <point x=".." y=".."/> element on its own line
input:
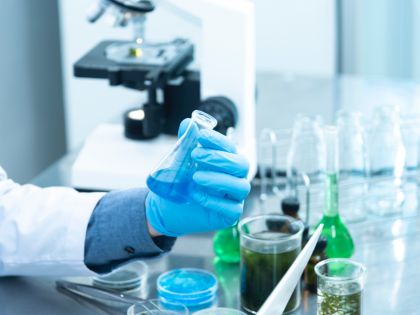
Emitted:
<point x="388" y="246"/>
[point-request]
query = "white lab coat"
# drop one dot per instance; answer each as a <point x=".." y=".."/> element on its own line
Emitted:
<point x="42" y="231"/>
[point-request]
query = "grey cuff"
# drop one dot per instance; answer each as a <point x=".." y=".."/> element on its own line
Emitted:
<point x="118" y="232"/>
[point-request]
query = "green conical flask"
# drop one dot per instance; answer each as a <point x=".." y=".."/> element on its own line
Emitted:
<point x="340" y="242"/>
<point x="226" y="245"/>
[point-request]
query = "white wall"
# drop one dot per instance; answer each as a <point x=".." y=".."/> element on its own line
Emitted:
<point x="382" y="38"/>
<point x="292" y="36"/>
<point x="31" y="104"/>
<point x="296" y="36"/>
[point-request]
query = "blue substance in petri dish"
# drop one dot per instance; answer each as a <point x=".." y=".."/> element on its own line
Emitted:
<point x="194" y="288"/>
<point x="170" y="185"/>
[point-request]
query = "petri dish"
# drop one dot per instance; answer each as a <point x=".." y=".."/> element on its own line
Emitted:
<point x="155" y="307"/>
<point x="125" y="278"/>
<point x="220" y="311"/>
<point x="195" y="288"/>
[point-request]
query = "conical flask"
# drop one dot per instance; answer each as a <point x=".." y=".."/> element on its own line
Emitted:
<point x="340" y="242"/>
<point x="226" y="245"/>
<point x="172" y="179"/>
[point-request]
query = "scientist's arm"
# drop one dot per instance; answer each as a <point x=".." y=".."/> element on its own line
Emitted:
<point x="118" y="231"/>
<point x="42" y="231"/>
<point x="123" y="221"/>
<point x="58" y="231"/>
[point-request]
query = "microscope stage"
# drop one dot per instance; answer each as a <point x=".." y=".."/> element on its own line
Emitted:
<point x="136" y="65"/>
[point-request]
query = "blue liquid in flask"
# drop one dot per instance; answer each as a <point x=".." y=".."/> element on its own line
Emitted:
<point x="172" y="179"/>
<point x="165" y="184"/>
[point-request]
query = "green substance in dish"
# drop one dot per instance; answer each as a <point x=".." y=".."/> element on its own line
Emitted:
<point x="332" y="304"/>
<point x="260" y="273"/>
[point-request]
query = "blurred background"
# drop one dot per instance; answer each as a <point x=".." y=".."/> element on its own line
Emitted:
<point x="45" y="112"/>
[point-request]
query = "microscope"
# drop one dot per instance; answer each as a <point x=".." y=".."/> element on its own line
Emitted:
<point x="224" y="86"/>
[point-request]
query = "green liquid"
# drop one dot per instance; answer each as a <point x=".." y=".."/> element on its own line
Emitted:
<point x="260" y="273"/>
<point x="331" y="304"/>
<point x="226" y="245"/>
<point x="340" y="243"/>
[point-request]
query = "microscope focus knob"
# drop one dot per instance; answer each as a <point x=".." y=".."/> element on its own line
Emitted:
<point x="223" y="109"/>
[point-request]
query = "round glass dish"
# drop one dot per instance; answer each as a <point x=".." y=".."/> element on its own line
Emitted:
<point x="220" y="311"/>
<point x="155" y="307"/>
<point x="194" y="288"/>
<point x="128" y="277"/>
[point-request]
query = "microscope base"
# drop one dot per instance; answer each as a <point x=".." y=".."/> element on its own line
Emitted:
<point x="108" y="160"/>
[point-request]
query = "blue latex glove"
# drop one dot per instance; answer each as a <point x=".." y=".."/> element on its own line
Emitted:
<point x="221" y="188"/>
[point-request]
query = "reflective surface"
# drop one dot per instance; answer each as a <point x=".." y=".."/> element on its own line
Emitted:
<point x="389" y="247"/>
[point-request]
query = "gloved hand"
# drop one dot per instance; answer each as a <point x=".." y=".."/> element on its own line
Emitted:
<point x="220" y="189"/>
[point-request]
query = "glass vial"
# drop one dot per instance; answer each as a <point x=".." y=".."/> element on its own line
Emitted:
<point x="172" y="178"/>
<point x="319" y="254"/>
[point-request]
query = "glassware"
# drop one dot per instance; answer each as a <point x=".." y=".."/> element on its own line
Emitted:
<point x="266" y="165"/>
<point x="226" y="245"/>
<point x="130" y="279"/>
<point x="340" y="287"/>
<point x="319" y="254"/>
<point x="410" y="130"/>
<point x="353" y="170"/>
<point x="306" y="163"/>
<point x="155" y="307"/>
<point x="387" y="157"/>
<point x="220" y="311"/>
<point x="269" y="245"/>
<point x="194" y="288"/>
<point x="340" y="244"/>
<point x="226" y="241"/>
<point x="228" y="277"/>
<point x="172" y="178"/>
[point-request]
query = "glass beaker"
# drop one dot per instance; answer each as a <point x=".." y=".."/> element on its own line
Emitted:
<point x="270" y="244"/>
<point x="172" y="179"/>
<point x="340" y="287"/>
<point x="353" y="170"/>
<point x="306" y="165"/>
<point x="155" y="307"/>
<point x="387" y="157"/>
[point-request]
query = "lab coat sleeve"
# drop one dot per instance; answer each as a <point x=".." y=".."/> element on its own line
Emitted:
<point x="118" y="232"/>
<point x="42" y="230"/>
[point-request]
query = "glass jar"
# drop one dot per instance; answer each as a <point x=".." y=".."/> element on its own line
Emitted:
<point x="352" y="162"/>
<point x="269" y="245"/>
<point x="306" y="165"/>
<point x="387" y="157"/>
<point x="340" y="286"/>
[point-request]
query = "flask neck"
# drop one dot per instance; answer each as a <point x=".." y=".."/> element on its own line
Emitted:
<point x="203" y="120"/>
<point x="331" y="195"/>
<point x="332" y="170"/>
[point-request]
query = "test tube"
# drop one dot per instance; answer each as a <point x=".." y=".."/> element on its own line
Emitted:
<point x="270" y="244"/>
<point x="340" y="286"/>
